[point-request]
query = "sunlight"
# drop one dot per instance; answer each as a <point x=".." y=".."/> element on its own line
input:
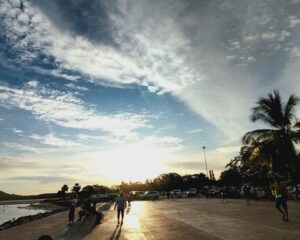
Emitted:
<point x="132" y="221"/>
<point x="135" y="162"/>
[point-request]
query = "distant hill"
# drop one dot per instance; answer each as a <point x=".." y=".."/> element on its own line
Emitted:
<point x="7" y="196"/>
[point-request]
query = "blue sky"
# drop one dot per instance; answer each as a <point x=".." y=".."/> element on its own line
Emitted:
<point x="104" y="91"/>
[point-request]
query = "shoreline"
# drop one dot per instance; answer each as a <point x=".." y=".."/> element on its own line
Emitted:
<point x="49" y="207"/>
<point x="26" y="201"/>
<point x="55" y="225"/>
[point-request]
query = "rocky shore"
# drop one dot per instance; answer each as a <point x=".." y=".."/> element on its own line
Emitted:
<point x="56" y="225"/>
<point x="51" y="209"/>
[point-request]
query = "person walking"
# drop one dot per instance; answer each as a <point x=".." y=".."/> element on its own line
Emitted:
<point x="280" y="192"/>
<point x="73" y="202"/>
<point x="120" y="205"/>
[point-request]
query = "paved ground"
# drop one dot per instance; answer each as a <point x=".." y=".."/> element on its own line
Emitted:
<point x="200" y="219"/>
<point x="174" y="219"/>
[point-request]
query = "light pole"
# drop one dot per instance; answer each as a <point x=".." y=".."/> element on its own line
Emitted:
<point x="205" y="161"/>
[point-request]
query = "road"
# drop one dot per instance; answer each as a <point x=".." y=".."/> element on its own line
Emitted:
<point x="206" y="219"/>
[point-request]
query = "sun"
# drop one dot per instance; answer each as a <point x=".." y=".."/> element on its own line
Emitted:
<point x="130" y="163"/>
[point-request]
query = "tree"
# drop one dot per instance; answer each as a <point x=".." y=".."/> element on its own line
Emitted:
<point x="168" y="181"/>
<point x="64" y="189"/>
<point x="76" y="188"/>
<point x="60" y="194"/>
<point x="231" y="176"/>
<point x="275" y="145"/>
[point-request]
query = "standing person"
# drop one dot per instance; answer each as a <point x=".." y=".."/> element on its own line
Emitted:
<point x="73" y="202"/>
<point x="246" y="192"/>
<point x="253" y="192"/>
<point x="168" y="194"/>
<point x="120" y="205"/>
<point x="224" y="194"/>
<point x="129" y="199"/>
<point x="280" y="192"/>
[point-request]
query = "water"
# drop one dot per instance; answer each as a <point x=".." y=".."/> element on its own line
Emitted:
<point x="9" y="212"/>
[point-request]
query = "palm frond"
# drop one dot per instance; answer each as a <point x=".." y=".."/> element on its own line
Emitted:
<point x="297" y="125"/>
<point x="269" y="110"/>
<point x="289" y="109"/>
<point x="258" y="136"/>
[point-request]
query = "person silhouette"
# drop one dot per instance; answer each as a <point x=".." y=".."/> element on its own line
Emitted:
<point x="280" y="193"/>
<point x="45" y="237"/>
<point x="121" y="205"/>
<point x="73" y="202"/>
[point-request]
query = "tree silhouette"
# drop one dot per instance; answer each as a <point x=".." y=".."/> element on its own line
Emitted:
<point x="64" y="189"/>
<point x="274" y="145"/>
<point x="76" y="188"/>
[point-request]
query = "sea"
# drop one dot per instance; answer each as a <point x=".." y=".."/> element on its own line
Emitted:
<point x="15" y="210"/>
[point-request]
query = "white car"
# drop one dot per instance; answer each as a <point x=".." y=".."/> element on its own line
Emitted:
<point x="150" y="195"/>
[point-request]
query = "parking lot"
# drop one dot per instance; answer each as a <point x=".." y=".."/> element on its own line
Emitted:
<point x="200" y="219"/>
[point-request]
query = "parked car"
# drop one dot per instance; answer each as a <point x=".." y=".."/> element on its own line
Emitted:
<point x="293" y="193"/>
<point x="215" y="192"/>
<point x="104" y="197"/>
<point x="136" y="194"/>
<point x="260" y="193"/>
<point x="150" y="195"/>
<point x="191" y="192"/>
<point x="176" y="193"/>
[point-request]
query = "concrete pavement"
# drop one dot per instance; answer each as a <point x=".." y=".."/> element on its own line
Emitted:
<point x="207" y="219"/>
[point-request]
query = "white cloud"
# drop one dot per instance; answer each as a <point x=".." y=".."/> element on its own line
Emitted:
<point x="20" y="147"/>
<point x="234" y="149"/>
<point x="268" y="36"/>
<point x="202" y="60"/>
<point x="18" y="131"/>
<point x="162" y="143"/>
<point x="33" y="83"/>
<point x="197" y="130"/>
<point x="294" y="21"/>
<point x="76" y="87"/>
<point x="64" y="109"/>
<point x="52" y="140"/>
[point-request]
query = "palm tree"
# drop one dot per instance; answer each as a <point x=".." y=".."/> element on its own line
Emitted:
<point x="275" y="144"/>
<point x="64" y="189"/>
<point x="76" y="188"/>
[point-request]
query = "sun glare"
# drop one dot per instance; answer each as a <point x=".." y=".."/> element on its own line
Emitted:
<point x="130" y="163"/>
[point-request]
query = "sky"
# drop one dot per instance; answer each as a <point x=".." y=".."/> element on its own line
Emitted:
<point x="99" y="92"/>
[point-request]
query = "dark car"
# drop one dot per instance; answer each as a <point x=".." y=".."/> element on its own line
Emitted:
<point x="191" y="192"/>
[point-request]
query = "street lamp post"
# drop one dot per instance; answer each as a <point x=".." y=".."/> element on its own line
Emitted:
<point x="205" y="161"/>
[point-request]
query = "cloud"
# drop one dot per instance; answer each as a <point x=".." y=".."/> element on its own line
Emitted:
<point x="216" y="58"/>
<point x="41" y="179"/>
<point x="234" y="149"/>
<point x="191" y="165"/>
<point x="18" y="131"/>
<point x="197" y="130"/>
<point x="64" y="109"/>
<point x="166" y="143"/>
<point x="8" y="163"/>
<point x="20" y="147"/>
<point x="52" y="140"/>
<point x="76" y="87"/>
